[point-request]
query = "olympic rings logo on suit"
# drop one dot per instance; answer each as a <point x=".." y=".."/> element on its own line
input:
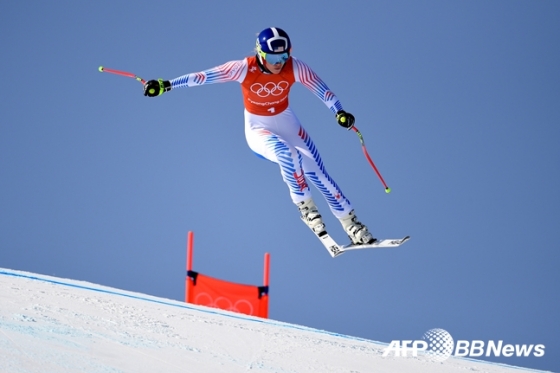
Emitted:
<point x="269" y="89"/>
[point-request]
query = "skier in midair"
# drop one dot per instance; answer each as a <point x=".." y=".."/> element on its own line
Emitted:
<point x="272" y="129"/>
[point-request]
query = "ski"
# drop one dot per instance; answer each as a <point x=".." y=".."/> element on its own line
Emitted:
<point x="335" y="249"/>
<point x="385" y="243"/>
<point x="330" y="244"/>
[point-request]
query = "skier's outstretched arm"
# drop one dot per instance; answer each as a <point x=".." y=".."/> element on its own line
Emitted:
<point x="227" y="72"/>
<point x="310" y="80"/>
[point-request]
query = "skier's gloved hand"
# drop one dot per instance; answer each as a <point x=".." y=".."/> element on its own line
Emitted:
<point x="345" y="119"/>
<point x="154" y="88"/>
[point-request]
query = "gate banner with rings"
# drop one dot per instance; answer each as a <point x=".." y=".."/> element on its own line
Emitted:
<point x="212" y="292"/>
<point x="225" y="295"/>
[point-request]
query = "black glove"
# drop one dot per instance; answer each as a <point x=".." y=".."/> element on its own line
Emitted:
<point x="154" y="88"/>
<point x="345" y="119"/>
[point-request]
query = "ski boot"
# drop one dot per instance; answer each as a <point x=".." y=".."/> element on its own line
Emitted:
<point x="356" y="231"/>
<point x="310" y="216"/>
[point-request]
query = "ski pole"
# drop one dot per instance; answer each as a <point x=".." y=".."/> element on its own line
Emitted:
<point x="387" y="189"/>
<point x="123" y="73"/>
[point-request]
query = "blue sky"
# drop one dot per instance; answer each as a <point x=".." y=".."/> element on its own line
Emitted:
<point x="459" y="104"/>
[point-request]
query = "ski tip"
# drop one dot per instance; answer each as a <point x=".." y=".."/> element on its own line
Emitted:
<point x="335" y="250"/>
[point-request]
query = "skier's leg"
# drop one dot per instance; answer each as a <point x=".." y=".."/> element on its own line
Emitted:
<point x="316" y="172"/>
<point x="269" y="145"/>
<point x="274" y="148"/>
<point x="338" y="203"/>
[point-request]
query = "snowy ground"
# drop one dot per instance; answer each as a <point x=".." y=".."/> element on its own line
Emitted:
<point x="57" y="325"/>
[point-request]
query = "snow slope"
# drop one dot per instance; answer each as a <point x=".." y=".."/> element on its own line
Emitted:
<point x="49" y="324"/>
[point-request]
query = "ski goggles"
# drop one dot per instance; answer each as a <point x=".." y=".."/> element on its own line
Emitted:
<point x="275" y="58"/>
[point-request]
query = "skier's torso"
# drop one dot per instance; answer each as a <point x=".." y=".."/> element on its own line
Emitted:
<point x="266" y="94"/>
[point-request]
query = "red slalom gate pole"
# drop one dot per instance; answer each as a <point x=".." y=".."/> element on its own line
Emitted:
<point x="387" y="189"/>
<point x="188" y="281"/>
<point x="266" y="275"/>
<point x="122" y="73"/>
<point x="266" y="283"/>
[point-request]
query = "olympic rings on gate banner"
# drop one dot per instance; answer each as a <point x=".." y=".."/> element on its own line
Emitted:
<point x="269" y="88"/>
<point x="223" y="303"/>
